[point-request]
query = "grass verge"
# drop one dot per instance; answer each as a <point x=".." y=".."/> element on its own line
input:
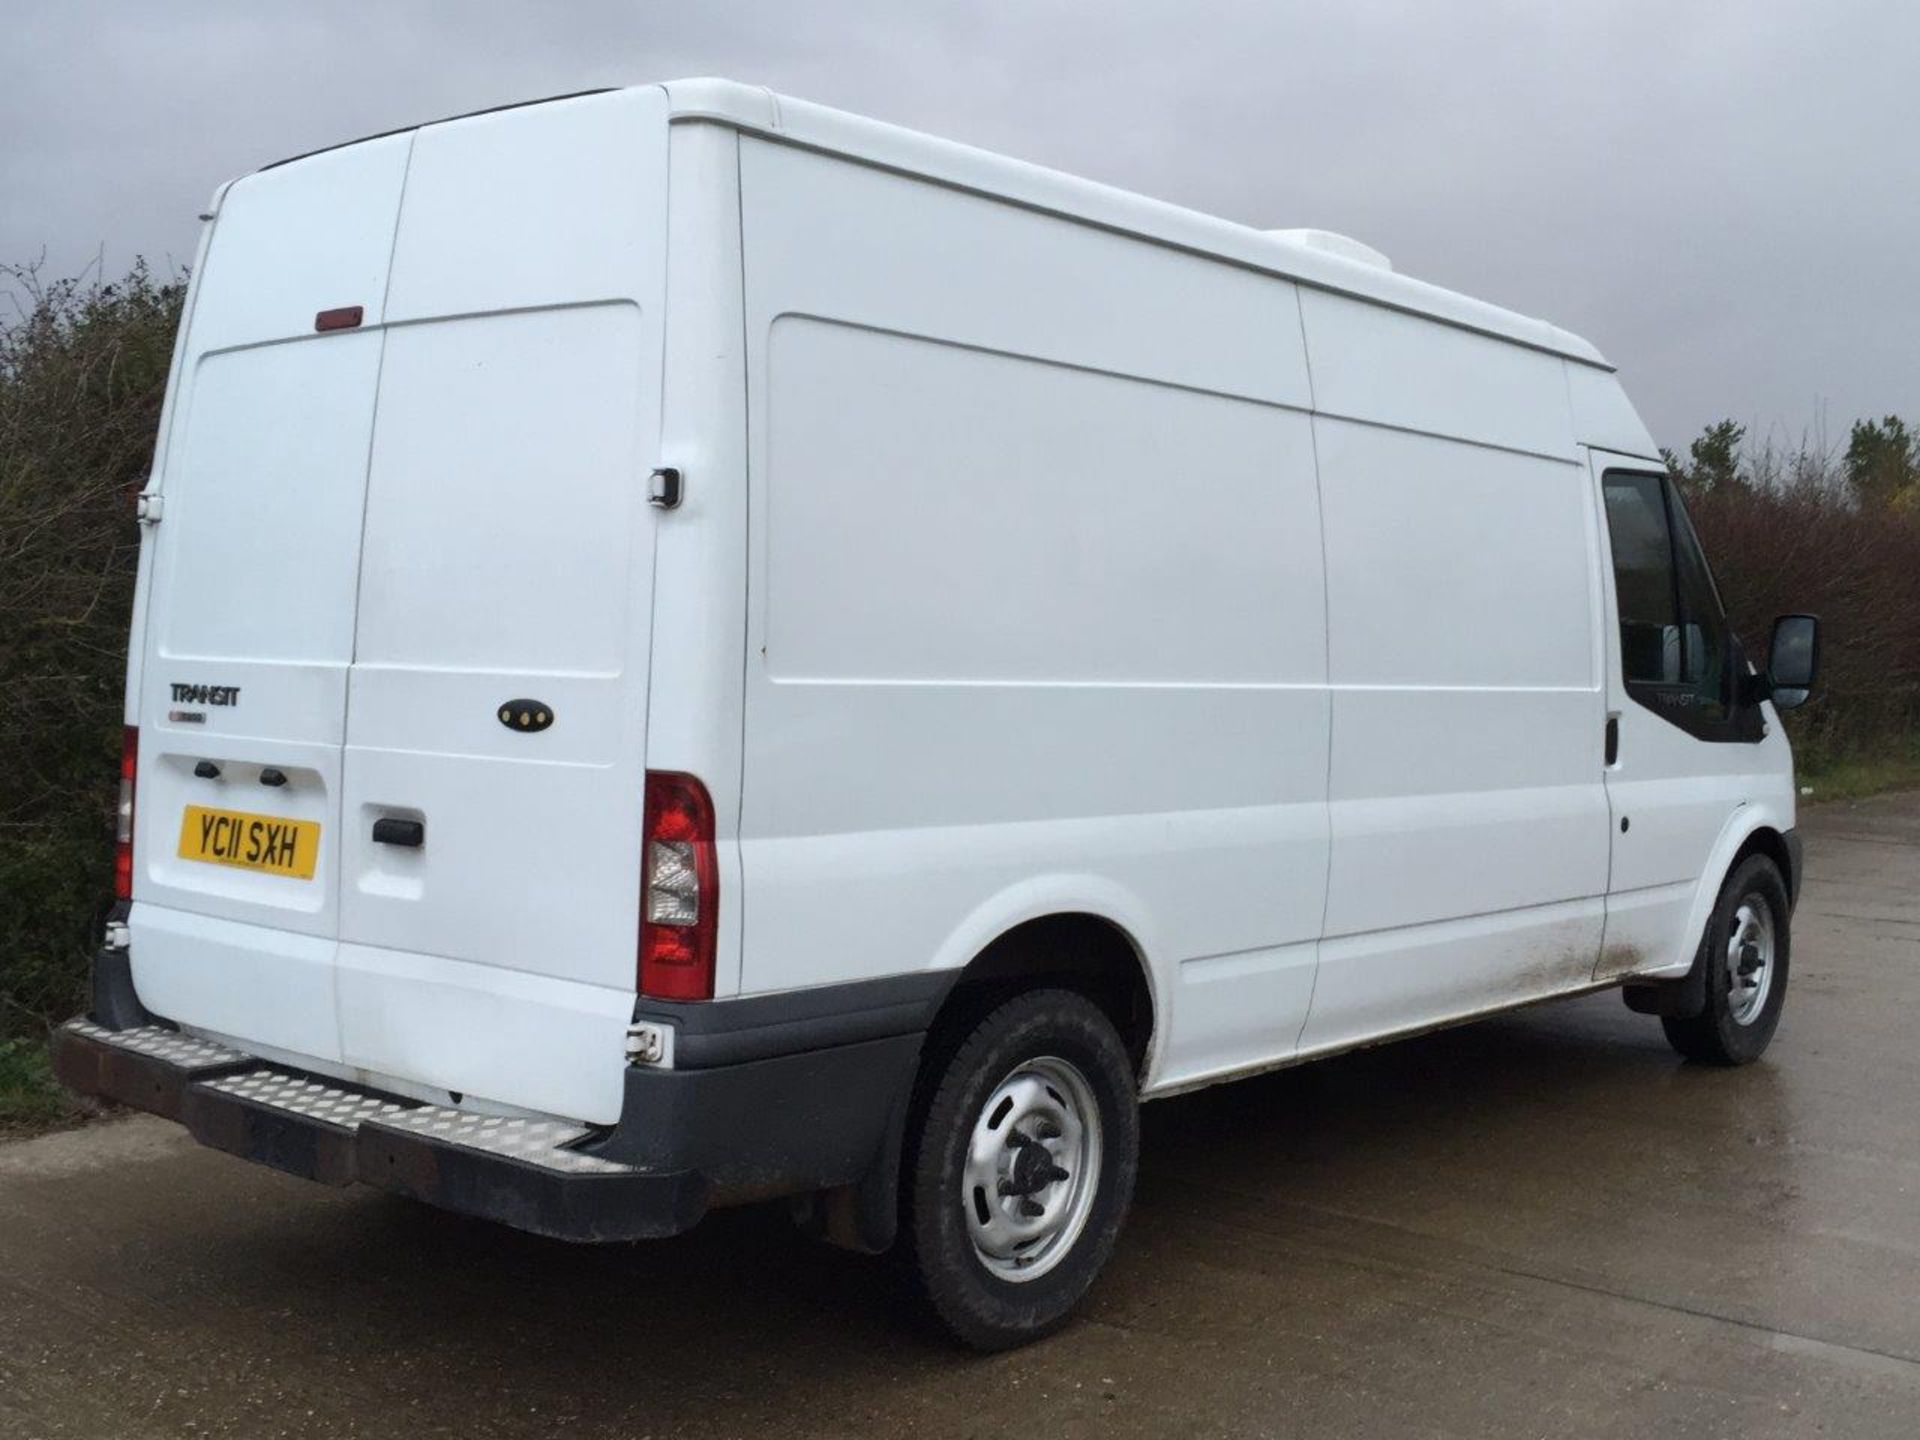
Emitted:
<point x="1854" y="777"/>
<point x="31" y="1100"/>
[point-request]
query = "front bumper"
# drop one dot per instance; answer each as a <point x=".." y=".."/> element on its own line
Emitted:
<point x="687" y="1140"/>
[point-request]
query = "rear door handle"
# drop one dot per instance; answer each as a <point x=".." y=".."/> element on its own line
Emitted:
<point x="390" y="831"/>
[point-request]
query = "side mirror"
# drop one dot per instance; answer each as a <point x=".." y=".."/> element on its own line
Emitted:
<point x="1793" y="662"/>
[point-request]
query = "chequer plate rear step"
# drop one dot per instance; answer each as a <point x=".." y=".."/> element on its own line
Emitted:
<point x="188" y="1052"/>
<point x="294" y="1122"/>
<point x="311" y="1126"/>
<point x="535" y="1142"/>
<point x="148" y="1068"/>
<point x="528" y="1172"/>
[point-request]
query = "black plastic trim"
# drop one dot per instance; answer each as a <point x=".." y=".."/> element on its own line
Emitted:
<point x="1682" y="999"/>
<point x="711" y="1033"/>
<point x="442" y="120"/>
<point x="1796" y="864"/>
<point x="810" y="1120"/>
<point x="115" y="1003"/>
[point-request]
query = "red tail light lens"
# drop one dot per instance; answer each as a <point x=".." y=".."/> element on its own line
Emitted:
<point x="679" y="890"/>
<point x="123" y="815"/>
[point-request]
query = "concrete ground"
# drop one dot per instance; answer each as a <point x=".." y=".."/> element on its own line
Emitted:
<point x="1541" y="1225"/>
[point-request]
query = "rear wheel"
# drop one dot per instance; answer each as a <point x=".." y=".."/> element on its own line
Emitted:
<point x="1745" y="950"/>
<point x="1020" y="1168"/>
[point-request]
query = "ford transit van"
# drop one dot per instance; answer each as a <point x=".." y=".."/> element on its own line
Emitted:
<point x="692" y="648"/>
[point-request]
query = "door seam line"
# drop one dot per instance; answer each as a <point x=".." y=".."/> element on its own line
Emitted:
<point x="359" y="579"/>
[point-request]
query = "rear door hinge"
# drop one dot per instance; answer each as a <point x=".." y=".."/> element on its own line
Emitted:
<point x="149" y="507"/>
<point x="650" y="1043"/>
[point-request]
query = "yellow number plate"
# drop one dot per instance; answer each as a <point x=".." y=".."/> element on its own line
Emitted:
<point x="251" y="842"/>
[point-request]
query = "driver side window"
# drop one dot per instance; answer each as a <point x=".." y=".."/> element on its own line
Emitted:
<point x="1676" y="655"/>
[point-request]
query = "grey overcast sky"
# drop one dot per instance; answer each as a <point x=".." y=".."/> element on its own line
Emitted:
<point x="1725" y="197"/>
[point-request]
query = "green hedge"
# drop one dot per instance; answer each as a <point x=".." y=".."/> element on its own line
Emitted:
<point x="83" y="368"/>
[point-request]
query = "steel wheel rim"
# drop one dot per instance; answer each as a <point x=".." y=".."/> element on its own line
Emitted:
<point x="1032" y="1167"/>
<point x="1749" y="959"/>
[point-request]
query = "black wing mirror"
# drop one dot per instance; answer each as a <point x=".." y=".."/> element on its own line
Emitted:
<point x="1793" y="661"/>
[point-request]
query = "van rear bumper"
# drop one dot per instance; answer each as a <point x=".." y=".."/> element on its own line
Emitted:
<point x="687" y="1140"/>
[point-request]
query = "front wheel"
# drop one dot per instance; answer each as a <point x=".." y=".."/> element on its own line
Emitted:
<point x="1745" y="952"/>
<point x="1021" y="1168"/>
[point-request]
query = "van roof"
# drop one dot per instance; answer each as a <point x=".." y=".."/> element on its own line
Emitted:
<point x="759" y="110"/>
<point x="800" y="122"/>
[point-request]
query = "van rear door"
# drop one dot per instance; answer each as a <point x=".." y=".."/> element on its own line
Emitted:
<point x="384" y="544"/>
<point x="251" y="607"/>
<point x="498" y="697"/>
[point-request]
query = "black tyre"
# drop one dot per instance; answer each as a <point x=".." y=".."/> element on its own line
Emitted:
<point x="1745" y="951"/>
<point x="1020" y="1167"/>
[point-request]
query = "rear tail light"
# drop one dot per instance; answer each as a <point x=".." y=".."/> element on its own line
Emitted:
<point x="123" y="815"/>
<point x="679" y="890"/>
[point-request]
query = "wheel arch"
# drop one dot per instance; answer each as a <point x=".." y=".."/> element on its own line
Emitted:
<point x="1019" y="941"/>
<point x="1772" y="843"/>
<point x="1749" y="830"/>
<point x="1686" y="1005"/>
<point x="1077" y="949"/>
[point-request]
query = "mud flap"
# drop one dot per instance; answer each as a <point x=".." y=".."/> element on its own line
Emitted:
<point x="865" y="1216"/>
<point x="1680" y="999"/>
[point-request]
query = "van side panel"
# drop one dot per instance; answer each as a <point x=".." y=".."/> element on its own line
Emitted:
<point x="1387" y="367"/>
<point x="1036" y="615"/>
<point x="1468" y="816"/>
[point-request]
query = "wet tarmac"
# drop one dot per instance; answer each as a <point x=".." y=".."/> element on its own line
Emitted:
<point x="1539" y="1225"/>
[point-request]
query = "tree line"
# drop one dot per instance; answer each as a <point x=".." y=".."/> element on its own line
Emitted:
<point x="1878" y="472"/>
<point x="1830" y="530"/>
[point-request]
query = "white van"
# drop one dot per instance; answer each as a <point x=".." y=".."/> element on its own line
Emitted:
<point x="694" y="648"/>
